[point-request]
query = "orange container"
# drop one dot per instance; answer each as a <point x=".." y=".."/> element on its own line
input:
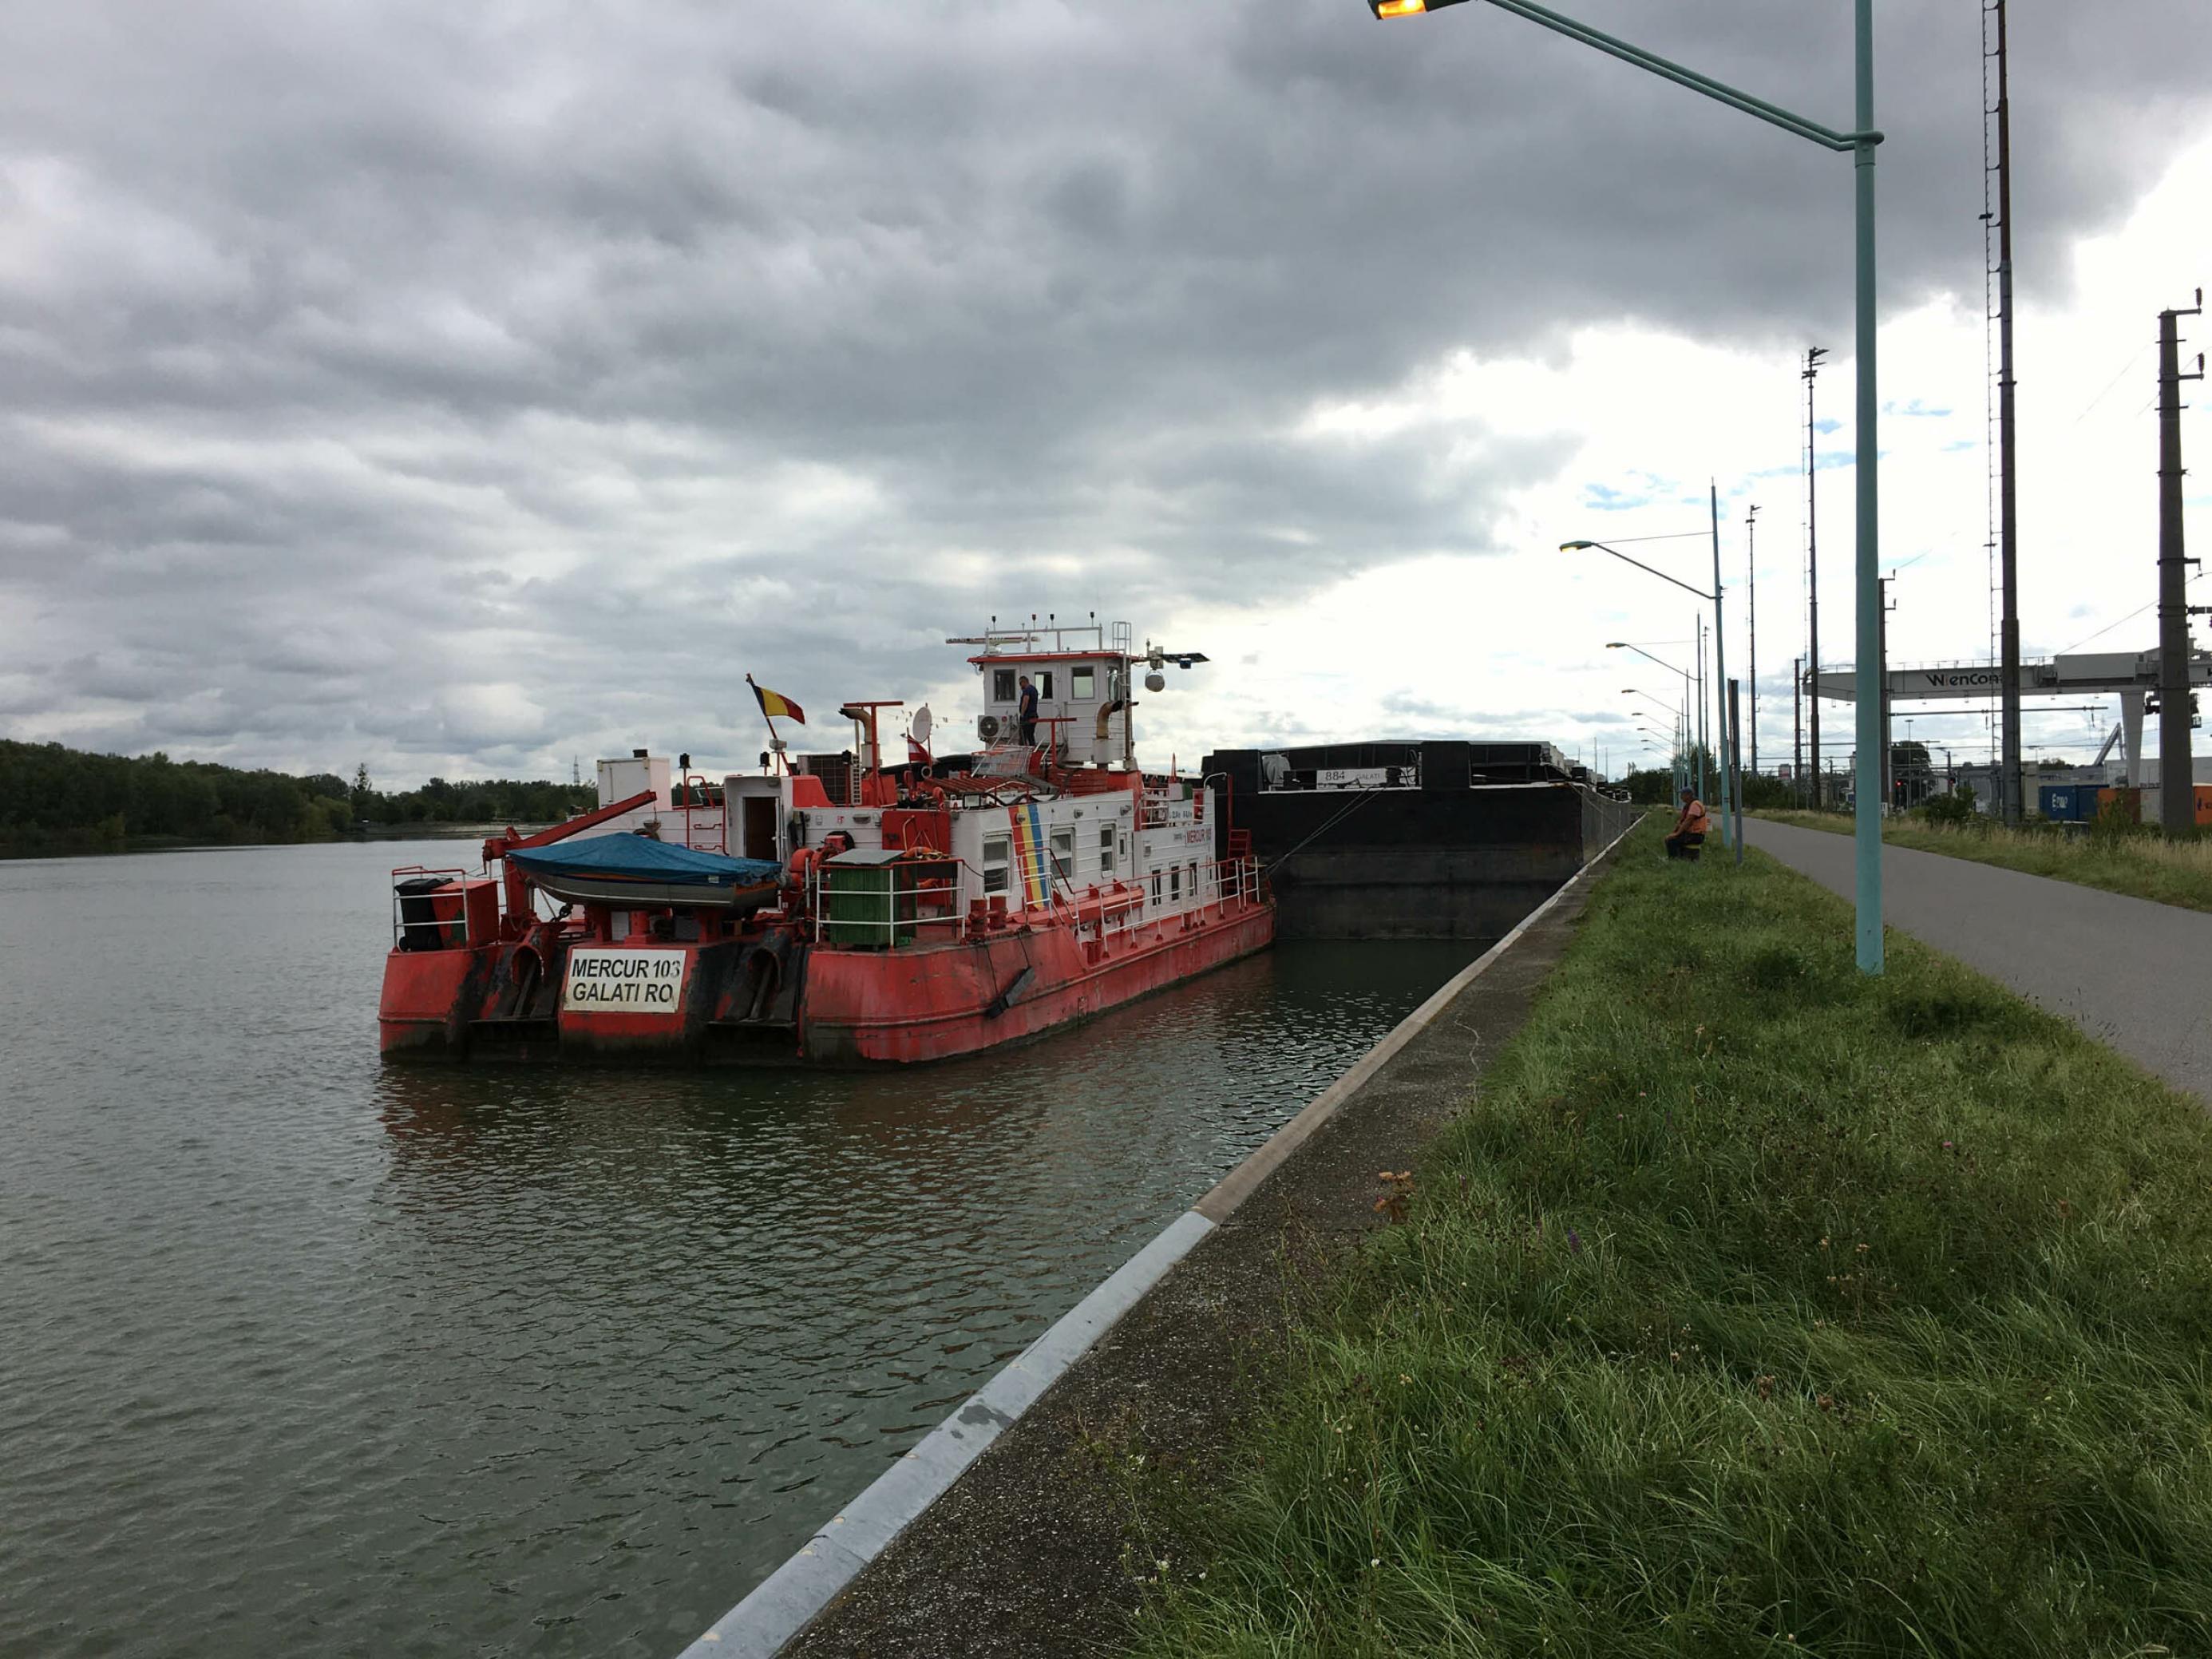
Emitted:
<point x="2129" y="801"/>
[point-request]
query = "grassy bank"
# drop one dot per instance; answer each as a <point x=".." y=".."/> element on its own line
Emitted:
<point x="2141" y="865"/>
<point x="1754" y="1307"/>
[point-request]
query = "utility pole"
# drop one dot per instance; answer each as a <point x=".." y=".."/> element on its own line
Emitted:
<point x="2008" y="775"/>
<point x="1750" y="583"/>
<point x="1735" y="759"/>
<point x="1813" y="356"/>
<point x="1797" y="727"/>
<point x="1888" y="748"/>
<point x="2177" y="766"/>
<point x="1704" y="747"/>
<point x="1728" y="764"/>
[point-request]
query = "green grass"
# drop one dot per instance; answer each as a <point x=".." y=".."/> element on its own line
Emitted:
<point x="2140" y="864"/>
<point x="1753" y="1308"/>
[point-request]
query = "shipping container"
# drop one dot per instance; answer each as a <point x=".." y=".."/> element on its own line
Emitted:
<point x="2127" y="804"/>
<point x="2069" y="803"/>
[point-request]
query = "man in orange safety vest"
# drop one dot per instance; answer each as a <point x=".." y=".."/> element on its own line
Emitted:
<point x="1690" y="829"/>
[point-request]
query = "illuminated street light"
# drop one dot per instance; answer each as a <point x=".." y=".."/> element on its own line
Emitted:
<point x="1860" y="144"/>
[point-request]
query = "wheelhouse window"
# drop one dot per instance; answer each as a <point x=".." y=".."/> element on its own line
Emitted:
<point x="1105" y="849"/>
<point x="1082" y="683"/>
<point x="1044" y="683"/>
<point x="1002" y="685"/>
<point x="996" y="849"/>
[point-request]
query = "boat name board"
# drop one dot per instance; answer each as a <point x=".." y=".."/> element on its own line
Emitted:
<point x="629" y="981"/>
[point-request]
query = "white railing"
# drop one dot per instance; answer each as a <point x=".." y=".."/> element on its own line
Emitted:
<point x="1121" y="906"/>
<point x="892" y="923"/>
<point x="456" y="893"/>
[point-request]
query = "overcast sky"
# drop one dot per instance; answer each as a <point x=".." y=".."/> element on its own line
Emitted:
<point x="462" y="389"/>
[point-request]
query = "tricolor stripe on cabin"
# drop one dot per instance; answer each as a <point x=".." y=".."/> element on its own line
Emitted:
<point x="1029" y="854"/>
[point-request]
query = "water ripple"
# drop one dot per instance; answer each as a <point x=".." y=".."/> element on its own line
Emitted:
<point x="311" y="1355"/>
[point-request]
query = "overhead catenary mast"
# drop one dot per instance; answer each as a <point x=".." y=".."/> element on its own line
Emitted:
<point x="2177" y="766"/>
<point x="2008" y="769"/>
<point x="1813" y="356"/>
<point x="1797" y="723"/>
<point x="1751" y="582"/>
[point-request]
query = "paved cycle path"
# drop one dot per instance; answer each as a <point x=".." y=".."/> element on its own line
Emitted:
<point x="2133" y="974"/>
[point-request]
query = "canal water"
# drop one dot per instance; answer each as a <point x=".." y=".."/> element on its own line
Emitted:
<point x="301" y="1354"/>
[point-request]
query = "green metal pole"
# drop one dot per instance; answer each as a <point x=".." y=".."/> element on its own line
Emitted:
<point x="1720" y="674"/>
<point x="1687" y="738"/>
<point x="1704" y="733"/>
<point x="1872" y="671"/>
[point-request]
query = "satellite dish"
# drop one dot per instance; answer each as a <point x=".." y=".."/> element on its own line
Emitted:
<point x="920" y="725"/>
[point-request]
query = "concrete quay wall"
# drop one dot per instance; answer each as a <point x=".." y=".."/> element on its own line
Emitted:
<point x="997" y="1535"/>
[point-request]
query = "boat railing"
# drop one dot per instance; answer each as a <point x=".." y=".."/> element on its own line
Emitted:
<point x="897" y="917"/>
<point x="1107" y="911"/>
<point x="1041" y="869"/>
<point x="1218" y="885"/>
<point x="430" y="907"/>
<point x="1005" y="758"/>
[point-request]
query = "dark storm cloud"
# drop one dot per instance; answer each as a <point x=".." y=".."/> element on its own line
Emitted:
<point x="460" y="387"/>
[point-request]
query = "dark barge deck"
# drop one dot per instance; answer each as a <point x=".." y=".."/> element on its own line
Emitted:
<point x="1432" y="840"/>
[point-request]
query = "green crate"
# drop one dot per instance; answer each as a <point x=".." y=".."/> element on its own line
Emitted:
<point x="867" y="905"/>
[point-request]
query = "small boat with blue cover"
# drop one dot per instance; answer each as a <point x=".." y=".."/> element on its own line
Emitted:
<point x="636" y="870"/>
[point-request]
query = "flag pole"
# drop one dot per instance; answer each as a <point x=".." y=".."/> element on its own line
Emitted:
<point x="775" y="738"/>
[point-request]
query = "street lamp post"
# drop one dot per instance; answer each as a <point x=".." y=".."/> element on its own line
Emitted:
<point x="1720" y="662"/>
<point x="1859" y="145"/>
<point x="1688" y="707"/>
<point x="1673" y="713"/>
<point x="1689" y="735"/>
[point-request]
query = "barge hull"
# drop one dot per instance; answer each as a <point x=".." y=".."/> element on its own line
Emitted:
<point x="875" y="1007"/>
<point x="838" y="1006"/>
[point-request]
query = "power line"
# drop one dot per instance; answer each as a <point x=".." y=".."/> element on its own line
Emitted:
<point x="2126" y="370"/>
<point x="2109" y="627"/>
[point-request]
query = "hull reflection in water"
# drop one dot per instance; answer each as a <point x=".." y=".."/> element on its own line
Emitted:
<point x="829" y="1262"/>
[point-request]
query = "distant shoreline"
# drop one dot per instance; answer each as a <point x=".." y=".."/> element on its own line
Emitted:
<point x="67" y="845"/>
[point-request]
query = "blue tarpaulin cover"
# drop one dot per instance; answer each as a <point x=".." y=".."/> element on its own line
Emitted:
<point x="639" y="858"/>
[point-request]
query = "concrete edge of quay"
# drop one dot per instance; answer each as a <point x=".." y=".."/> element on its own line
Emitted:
<point x="789" y="1599"/>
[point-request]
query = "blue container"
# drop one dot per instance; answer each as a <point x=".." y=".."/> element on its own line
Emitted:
<point x="2070" y="803"/>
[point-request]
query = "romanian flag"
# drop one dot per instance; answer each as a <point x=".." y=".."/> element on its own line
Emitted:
<point x="1032" y="858"/>
<point x="774" y="704"/>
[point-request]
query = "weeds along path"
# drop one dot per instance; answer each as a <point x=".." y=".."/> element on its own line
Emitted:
<point x="2125" y="970"/>
<point x="1748" y="1306"/>
<point x="2139" y="865"/>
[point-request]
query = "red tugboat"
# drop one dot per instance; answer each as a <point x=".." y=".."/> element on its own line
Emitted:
<point x="842" y="908"/>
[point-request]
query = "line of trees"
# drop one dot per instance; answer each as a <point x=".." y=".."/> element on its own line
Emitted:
<point x="54" y="799"/>
<point x="1655" y="786"/>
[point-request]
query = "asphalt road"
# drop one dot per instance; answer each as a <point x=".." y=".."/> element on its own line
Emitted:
<point x="2133" y="974"/>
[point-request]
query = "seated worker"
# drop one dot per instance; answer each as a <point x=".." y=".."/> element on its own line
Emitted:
<point x="1689" y="829"/>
